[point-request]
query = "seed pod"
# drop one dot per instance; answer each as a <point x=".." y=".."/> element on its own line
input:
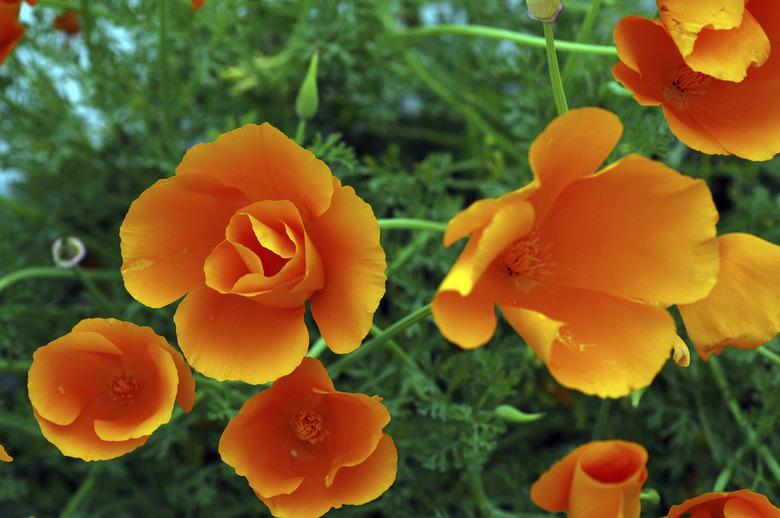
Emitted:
<point x="545" y="11"/>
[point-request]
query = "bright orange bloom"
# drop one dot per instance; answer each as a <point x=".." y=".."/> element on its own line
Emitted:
<point x="601" y="479"/>
<point x="101" y="390"/>
<point x="582" y="263"/>
<point x="197" y="4"/>
<point x="251" y="228"/>
<point x="706" y="113"/>
<point x="306" y="448"/>
<point x="743" y="310"/>
<point x="736" y="504"/>
<point x="68" y="22"/>
<point x="11" y="31"/>
<point x="4" y="457"/>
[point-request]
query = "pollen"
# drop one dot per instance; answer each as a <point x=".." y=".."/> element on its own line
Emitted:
<point x="123" y="388"/>
<point x="686" y="81"/>
<point x="308" y="427"/>
<point x="526" y="257"/>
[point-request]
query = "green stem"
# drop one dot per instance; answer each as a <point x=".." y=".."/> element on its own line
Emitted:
<point x="318" y="348"/>
<point x="300" y="132"/>
<point x="71" y="509"/>
<point x="51" y="272"/>
<point x="736" y="412"/>
<point x="478" y="489"/>
<point x="503" y="34"/>
<point x="555" y="72"/>
<point x="412" y="224"/>
<point x="92" y="287"/>
<point x="11" y="421"/>
<point x="14" y="365"/>
<point x="582" y="34"/>
<point x="602" y="417"/>
<point x="769" y="355"/>
<point x="165" y="99"/>
<point x="382" y="338"/>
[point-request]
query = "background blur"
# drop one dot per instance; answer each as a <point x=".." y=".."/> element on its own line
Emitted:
<point x="420" y="126"/>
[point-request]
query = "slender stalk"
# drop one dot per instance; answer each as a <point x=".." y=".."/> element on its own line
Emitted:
<point x="318" y="348"/>
<point x="768" y="354"/>
<point x="599" y="429"/>
<point x="555" y="72"/>
<point x="165" y="99"/>
<point x="93" y="289"/>
<point x="22" y="425"/>
<point x="51" y="272"/>
<point x="412" y="224"/>
<point x="478" y="490"/>
<point x="300" y="132"/>
<point x="529" y="40"/>
<point x="72" y="508"/>
<point x="14" y="365"/>
<point x="382" y="338"/>
<point x="582" y="34"/>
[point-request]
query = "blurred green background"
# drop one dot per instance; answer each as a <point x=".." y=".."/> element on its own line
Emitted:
<point x="420" y="125"/>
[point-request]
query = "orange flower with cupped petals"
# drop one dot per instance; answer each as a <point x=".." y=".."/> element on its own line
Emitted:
<point x="101" y="390"/>
<point x="251" y="228"/>
<point x="582" y="263"/>
<point x="743" y="309"/>
<point x="601" y="479"/>
<point x="709" y="114"/>
<point x="306" y="448"/>
<point x="736" y="504"/>
<point x="68" y="22"/>
<point x="4" y="457"/>
<point x="11" y="31"/>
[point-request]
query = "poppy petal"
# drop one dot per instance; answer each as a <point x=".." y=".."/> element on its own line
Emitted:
<point x="264" y="164"/>
<point x="697" y="506"/>
<point x="311" y="499"/>
<point x="743" y="309"/>
<point x="4" y="457"/>
<point x="11" y="31"/>
<point x="168" y="233"/>
<point x="468" y="321"/>
<point x="685" y="20"/>
<point x="347" y="239"/>
<point x="230" y="337"/>
<point x="368" y="480"/>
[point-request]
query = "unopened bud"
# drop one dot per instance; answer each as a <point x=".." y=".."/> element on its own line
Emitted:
<point x="513" y="415"/>
<point x="308" y="99"/>
<point x="680" y="353"/>
<point x="68" y="252"/>
<point x="545" y="11"/>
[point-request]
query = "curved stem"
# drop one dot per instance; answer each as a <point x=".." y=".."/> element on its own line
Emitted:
<point x="503" y="34"/>
<point x="555" y="72"/>
<point x="51" y="272"/>
<point x="582" y="34"/>
<point x="769" y="355"/>
<point x="412" y="224"/>
<point x="71" y="509"/>
<point x="318" y="348"/>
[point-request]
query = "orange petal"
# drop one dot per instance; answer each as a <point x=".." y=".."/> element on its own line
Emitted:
<point x="727" y="505"/>
<point x="347" y="238"/>
<point x="603" y="345"/>
<point x="266" y="165"/>
<point x="743" y="310"/>
<point x="197" y="4"/>
<point x="4" y="457"/>
<point x="613" y="232"/>
<point x="360" y="484"/>
<point x="168" y="233"/>
<point x="11" y="31"/>
<point x="230" y="337"/>
<point x="573" y="146"/>
<point x="480" y="213"/>
<point x="685" y="20"/>
<point x="311" y="500"/>
<point x="67" y="373"/>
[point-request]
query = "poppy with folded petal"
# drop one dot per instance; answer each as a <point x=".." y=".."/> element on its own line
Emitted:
<point x="11" y="31"/>
<point x="306" y="448"/>
<point x="68" y="22"/>
<point x="251" y="228"/>
<point x="736" y="504"/>
<point x="709" y="114"/>
<point x="4" y="457"/>
<point x="582" y="263"/>
<point x="601" y="479"/>
<point x="101" y="390"/>
<point x="743" y="309"/>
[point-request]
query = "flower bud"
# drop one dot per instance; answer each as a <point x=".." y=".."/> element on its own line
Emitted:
<point x="68" y="252"/>
<point x="545" y="11"/>
<point x="308" y="98"/>
<point x="680" y="353"/>
<point x="513" y="415"/>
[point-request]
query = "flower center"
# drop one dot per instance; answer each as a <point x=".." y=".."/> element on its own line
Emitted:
<point x="685" y="81"/>
<point x="526" y="257"/>
<point x="307" y="426"/>
<point x="123" y="388"/>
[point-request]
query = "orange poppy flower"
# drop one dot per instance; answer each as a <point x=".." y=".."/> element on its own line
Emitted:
<point x="743" y="309"/>
<point x="581" y="263"/>
<point x="68" y="22"/>
<point x="11" y="31"/>
<point x="251" y="228"/>
<point x="306" y="448"/>
<point x="601" y="479"/>
<point x="101" y="390"/>
<point x="706" y="113"/>
<point x="4" y="457"/>
<point x="197" y="4"/>
<point x="736" y="504"/>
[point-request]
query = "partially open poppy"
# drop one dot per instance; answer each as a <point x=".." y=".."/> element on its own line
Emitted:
<point x="101" y="390"/>
<point x="306" y="448"/>
<point x="708" y="114"/>
<point x="601" y="479"/>
<point x="582" y="263"/>
<point x="68" y="22"/>
<point x="4" y="457"/>
<point x="11" y="31"/>
<point x="743" y="309"/>
<point x="736" y="504"/>
<point x="251" y="228"/>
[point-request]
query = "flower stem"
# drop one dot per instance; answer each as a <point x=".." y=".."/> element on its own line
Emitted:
<point x="412" y="224"/>
<point x="51" y="272"/>
<point x="71" y="509"/>
<point x="582" y="35"/>
<point x="602" y="417"/>
<point x="555" y="72"/>
<point x="318" y="348"/>
<point x="503" y="34"/>
<point x="14" y="365"/>
<point x="768" y="354"/>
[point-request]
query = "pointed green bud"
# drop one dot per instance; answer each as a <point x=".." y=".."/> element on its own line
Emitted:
<point x="308" y="98"/>
<point x="545" y="11"/>
<point x="513" y="415"/>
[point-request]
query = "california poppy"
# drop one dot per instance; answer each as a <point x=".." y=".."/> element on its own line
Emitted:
<point x="251" y="228"/>
<point x="11" y="31"/>
<point x="736" y="504"/>
<point x="306" y="448"/>
<point x="197" y="4"/>
<point x="743" y="309"/>
<point x="101" y="390"/>
<point x="601" y="479"/>
<point x="68" y="22"/>
<point x="582" y="263"/>
<point x="708" y="114"/>
<point x="4" y="457"/>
